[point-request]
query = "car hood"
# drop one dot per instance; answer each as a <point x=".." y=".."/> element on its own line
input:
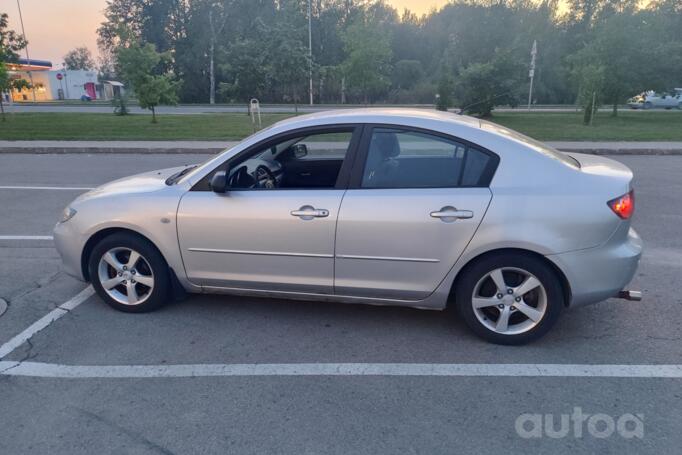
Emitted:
<point x="140" y="183"/>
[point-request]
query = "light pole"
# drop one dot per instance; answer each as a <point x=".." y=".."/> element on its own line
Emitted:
<point x="310" y="49"/>
<point x="531" y="73"/>
<point x="23" y="32"/>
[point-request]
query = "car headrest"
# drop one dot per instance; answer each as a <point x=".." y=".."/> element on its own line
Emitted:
<point x="386" y="144"/>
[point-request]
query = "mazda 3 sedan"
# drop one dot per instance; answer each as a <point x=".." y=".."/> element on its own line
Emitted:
<point x="381" y="206"/>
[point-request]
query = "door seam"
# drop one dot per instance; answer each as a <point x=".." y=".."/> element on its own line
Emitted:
<point x="336" y="232"/>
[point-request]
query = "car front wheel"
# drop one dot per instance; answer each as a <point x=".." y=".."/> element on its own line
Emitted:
<point x="129" y="273"/>
<point x="509" y="298"/>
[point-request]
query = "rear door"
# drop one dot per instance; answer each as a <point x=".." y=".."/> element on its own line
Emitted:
<point x="415" y="200"/>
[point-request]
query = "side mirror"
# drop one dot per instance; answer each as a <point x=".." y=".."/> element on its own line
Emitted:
<point x="218" y="183"/>
<point x="300" y="150"/>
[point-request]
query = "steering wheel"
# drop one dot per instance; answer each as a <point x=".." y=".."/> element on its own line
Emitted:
<point x="264" y="177"/>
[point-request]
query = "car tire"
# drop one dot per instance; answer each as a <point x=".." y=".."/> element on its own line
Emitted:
<point x="679" y="106"/>
<point x="648" y="105"/>
<point x="129" y="273"/>
<point x="529" y="314"/>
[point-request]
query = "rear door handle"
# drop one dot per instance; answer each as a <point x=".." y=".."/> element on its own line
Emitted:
<point x="308" y="212"/>
<point x="450" y="214"/>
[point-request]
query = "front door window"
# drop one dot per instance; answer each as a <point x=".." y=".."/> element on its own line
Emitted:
<point x="305" y="162"/>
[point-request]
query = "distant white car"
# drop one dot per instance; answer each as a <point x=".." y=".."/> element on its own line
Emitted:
<point x="651" y="100"/>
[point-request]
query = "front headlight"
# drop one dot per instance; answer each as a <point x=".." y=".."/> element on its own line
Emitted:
<point x="67" y="214"/>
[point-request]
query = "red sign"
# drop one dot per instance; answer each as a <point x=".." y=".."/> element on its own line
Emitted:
<point x="60" y="76"/>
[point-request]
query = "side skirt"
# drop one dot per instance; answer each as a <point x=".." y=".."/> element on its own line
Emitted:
<point x="420" y="304"/>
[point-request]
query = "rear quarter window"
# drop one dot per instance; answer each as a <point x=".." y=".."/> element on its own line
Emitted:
<point x="475" y="166"/>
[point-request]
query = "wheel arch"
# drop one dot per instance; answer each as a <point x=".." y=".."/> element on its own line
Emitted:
<point x="563" y="281"/>
<point x="101" y="234"/>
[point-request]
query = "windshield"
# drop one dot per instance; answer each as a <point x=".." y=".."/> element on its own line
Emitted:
<point x="532" y="143"/>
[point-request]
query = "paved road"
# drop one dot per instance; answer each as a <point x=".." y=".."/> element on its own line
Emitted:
<point x="319" y="414"/>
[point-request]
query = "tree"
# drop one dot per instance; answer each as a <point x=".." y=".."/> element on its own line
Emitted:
<point x="368" y="59"/>
<point x="288" y="52"/>
<point x="79" y="58"/>
<point x="480" y="86"/>
<point x="592" y="80"/>
<point x="365" y="49"/>
<point x="444" y="100"/>
<point x="10" y="41"/>
<point x="246" y="73"/>
<point x="139" y="66"/>
<point x="406" y="73"/>
<point x="628" y="56"/>
<point x="10" y="44"/>
<point x="7" y="84"/>
<point x="155" y="90"/>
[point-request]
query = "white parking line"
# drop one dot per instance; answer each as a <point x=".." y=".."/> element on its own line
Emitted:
<point x="25" y="237"/>
<point x="65" y="188"/>
<point x="51" y="370"/>
<point x="48" y="370"/>
<point x="46" y="320"/>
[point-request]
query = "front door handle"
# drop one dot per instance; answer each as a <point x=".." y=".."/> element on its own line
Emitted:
<point x="308" y="212"/>
<point x="450" y="214"/>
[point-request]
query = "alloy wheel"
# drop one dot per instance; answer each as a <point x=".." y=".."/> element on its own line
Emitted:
<point x="126" y="276"/>
<point x="509" y="301"/>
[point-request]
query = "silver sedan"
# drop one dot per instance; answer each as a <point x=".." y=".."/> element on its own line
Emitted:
<point x="380" y="206"/>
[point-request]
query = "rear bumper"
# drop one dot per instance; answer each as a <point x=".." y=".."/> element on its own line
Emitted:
<point x="596" y="274"/>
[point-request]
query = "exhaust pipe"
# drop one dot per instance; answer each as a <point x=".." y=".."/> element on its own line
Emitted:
<point x="635" y="296"/>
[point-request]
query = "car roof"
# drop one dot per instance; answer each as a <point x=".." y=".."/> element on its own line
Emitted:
<point x="404" y="116"/>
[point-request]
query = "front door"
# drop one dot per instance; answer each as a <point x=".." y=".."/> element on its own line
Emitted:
<point x="274" y="228"/>
<point x="410" y="213"/>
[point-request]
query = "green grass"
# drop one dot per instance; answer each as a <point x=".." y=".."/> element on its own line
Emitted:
<point x="68" y="126"/>
<point x="628" y="126"/>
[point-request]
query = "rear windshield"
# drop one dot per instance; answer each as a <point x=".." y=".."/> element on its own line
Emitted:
<point x="532" y="143"/>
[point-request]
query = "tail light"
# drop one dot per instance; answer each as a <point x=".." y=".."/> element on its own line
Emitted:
<point x="623" y="206"/>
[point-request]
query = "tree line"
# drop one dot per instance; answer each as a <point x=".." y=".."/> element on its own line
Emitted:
<point x="469" y="53"/>
<point x="365" y="51"/>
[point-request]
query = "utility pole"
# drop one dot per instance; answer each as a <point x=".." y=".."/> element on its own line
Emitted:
<point x="531" y="73"/>
<point x="28" y="58"/>
<point x="310" y="49"/>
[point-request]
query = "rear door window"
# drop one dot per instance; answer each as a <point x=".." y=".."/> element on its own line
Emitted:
<point x="398" y="158"/>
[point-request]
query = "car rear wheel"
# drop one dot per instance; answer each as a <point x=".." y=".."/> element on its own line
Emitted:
<point x="509" y="298"/>
<point x="129" y="273"/>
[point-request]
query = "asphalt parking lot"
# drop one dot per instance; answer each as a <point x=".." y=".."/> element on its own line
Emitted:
<point x="319" y="413"/>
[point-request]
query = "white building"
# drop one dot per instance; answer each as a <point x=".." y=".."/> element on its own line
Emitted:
<point x="50" y="85"/>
